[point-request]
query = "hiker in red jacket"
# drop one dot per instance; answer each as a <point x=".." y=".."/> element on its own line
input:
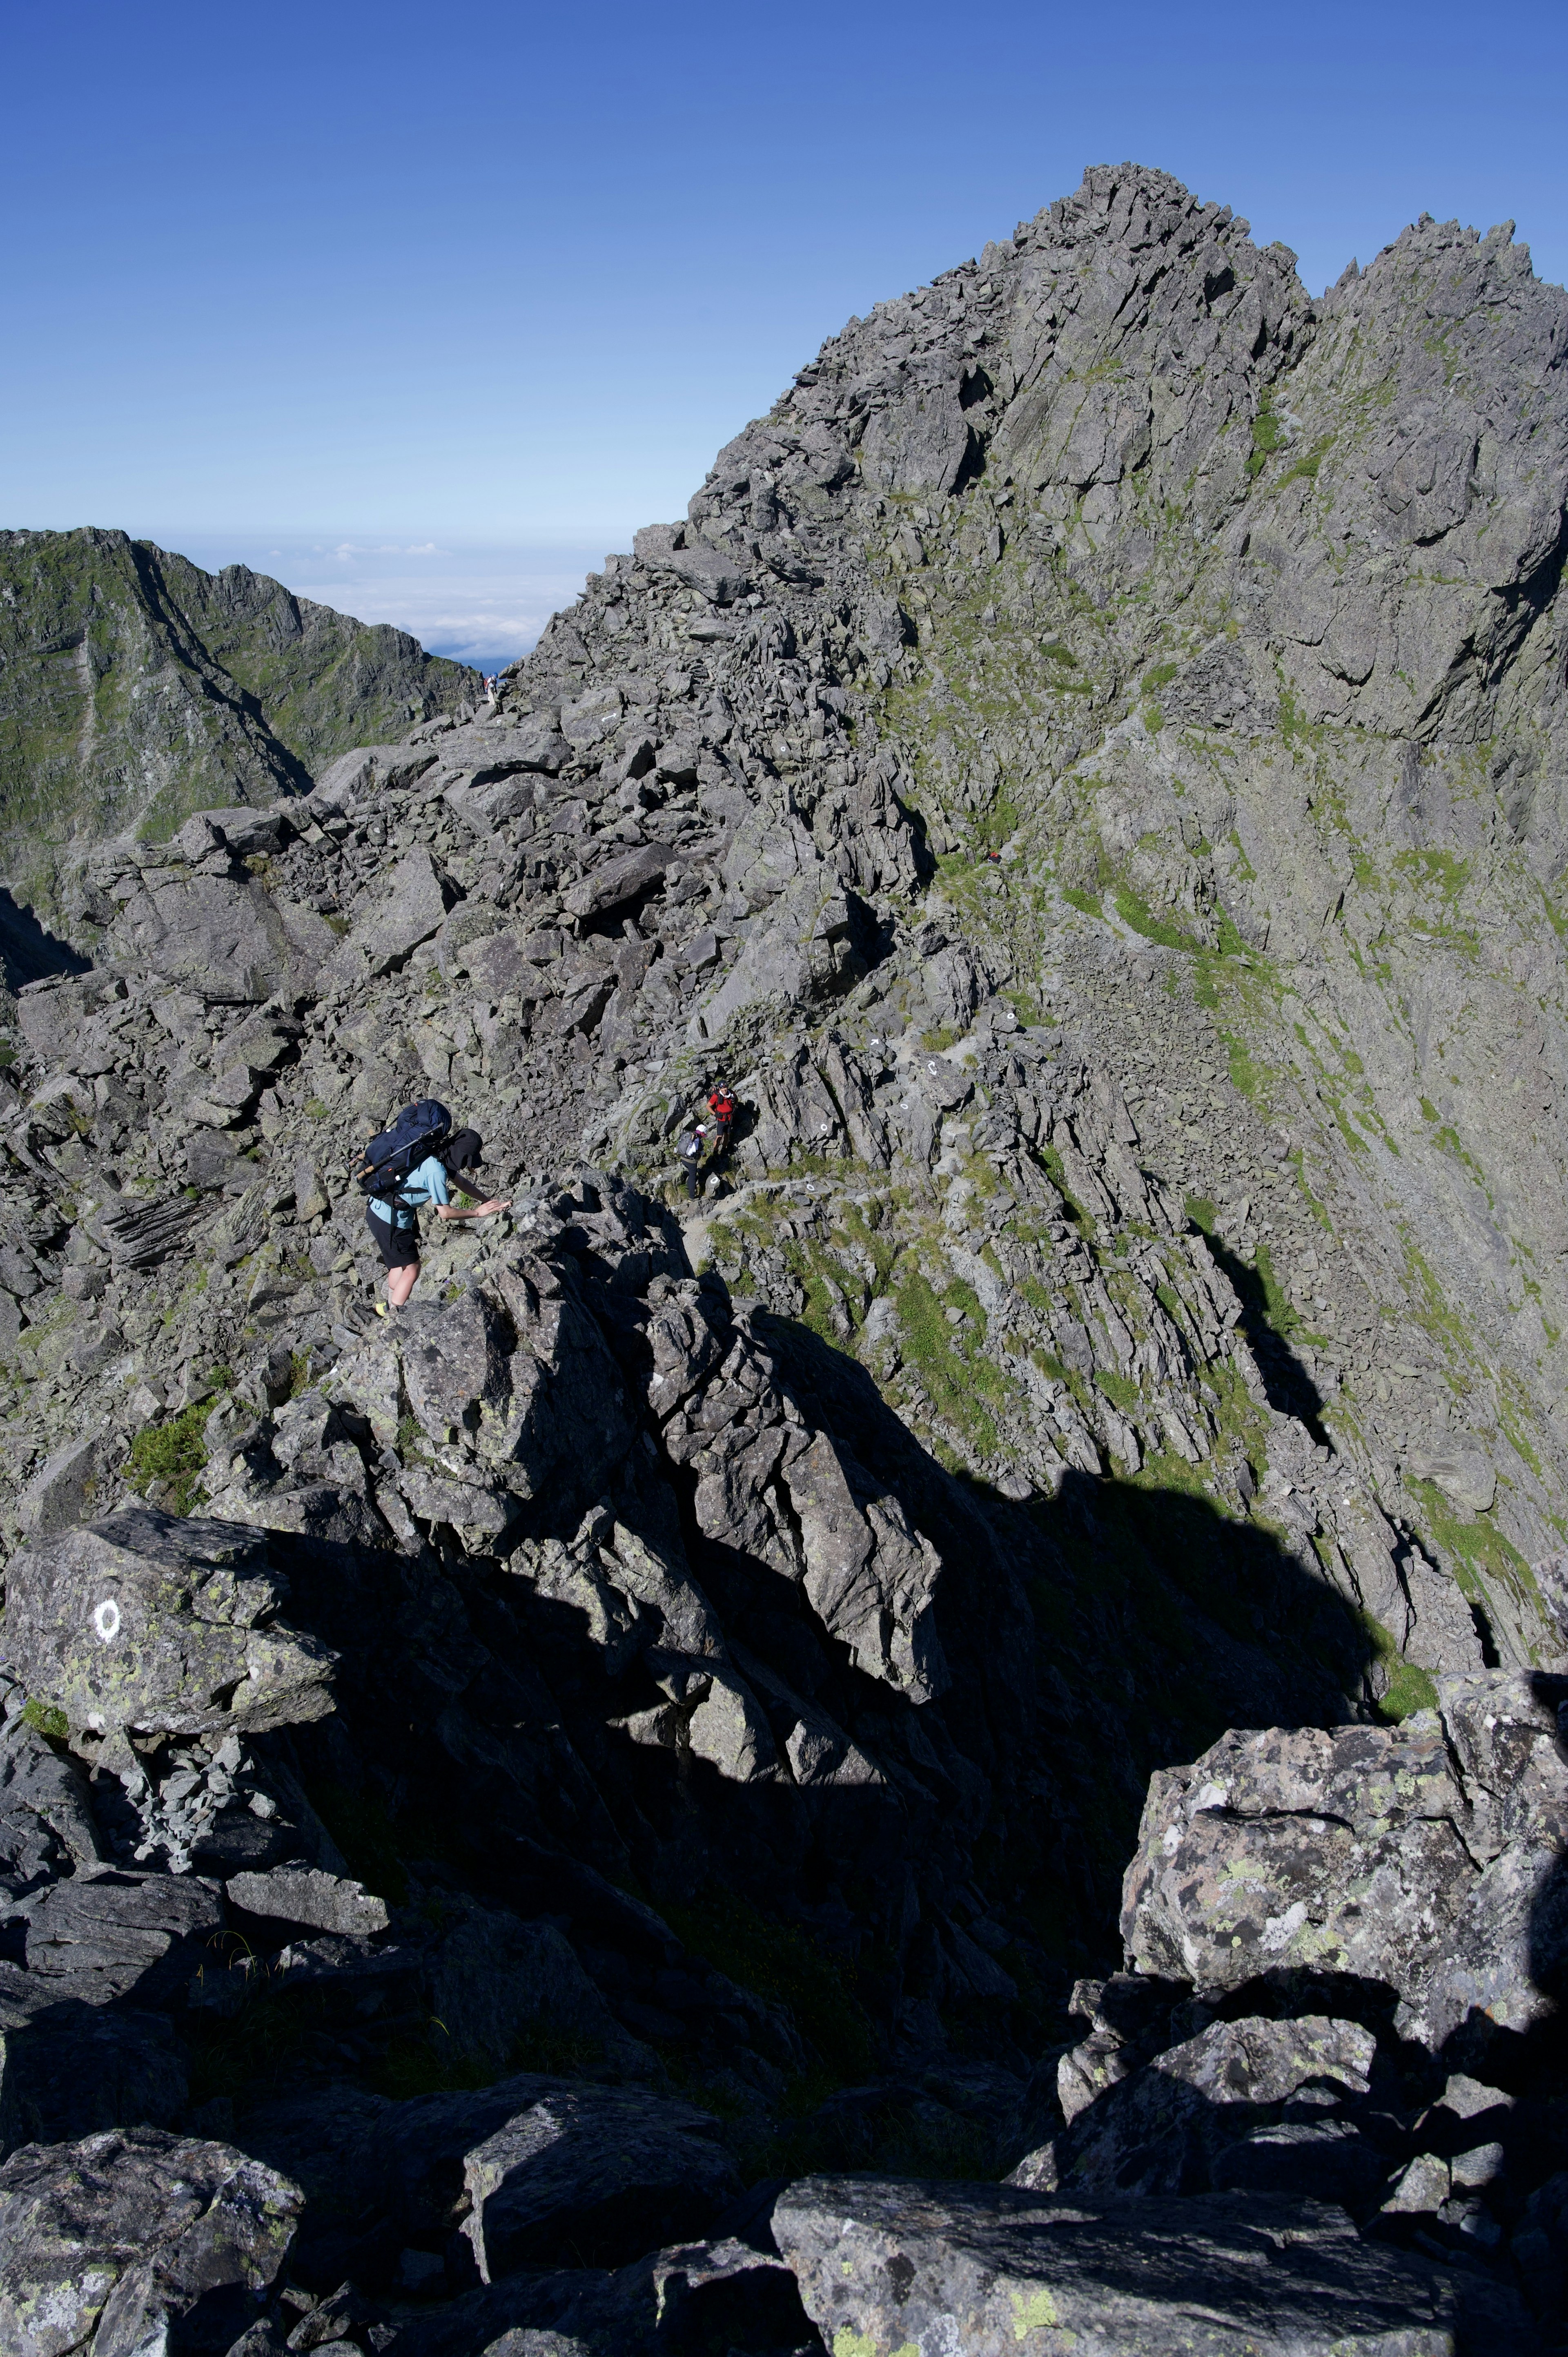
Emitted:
<point x="721" y="1104"/>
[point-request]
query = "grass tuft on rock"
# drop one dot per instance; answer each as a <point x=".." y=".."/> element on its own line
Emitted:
<point x="171" y="1457"/>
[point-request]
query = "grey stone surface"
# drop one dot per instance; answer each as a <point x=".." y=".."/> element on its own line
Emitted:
<point x="148" y="1621"/>
<point x="61" y="1490"/>
<point x="1426" y="1858"/>
<point x="603" y="2171"/>
<point x="495" y="1982"/>
<point x="415" y="905"/>
<point x="101" y="1936"/>
<point x="306" y="1895"/>
<point x="1187" y="2121"/>
<point x="985" y="2269"/>
<point x="68" y="2069"/>
<point x="136" y="2239"/>
<point x="47" y="1824"/>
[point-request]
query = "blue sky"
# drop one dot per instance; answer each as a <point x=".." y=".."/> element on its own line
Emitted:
<point x="442" y="305"/>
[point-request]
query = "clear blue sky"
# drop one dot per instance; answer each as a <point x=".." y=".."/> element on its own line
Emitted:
<point x="447" y="285"/>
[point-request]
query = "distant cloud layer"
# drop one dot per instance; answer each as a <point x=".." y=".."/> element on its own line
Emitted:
<point x="480" y="603"/>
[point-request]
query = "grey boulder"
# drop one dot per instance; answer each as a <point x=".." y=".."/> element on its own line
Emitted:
<point x="663" y="548"/>
<point x="159" y="1624"/>
<point x="1187" y="2123"/>
<point x="1425" y="1857"/>
<point x="602" y="2172"/>
<point x="47" y="1826"/>
<point x="99" y="1936"/>
<point x="60" y="1491"/>
<point x="578" y="2153"/>
<point x="68" y="2070"/>
<point x="221" y="937"/>
<point x="306" y="1894"/>
<point x="619" y="881"/>
<point x="888" y="2266"/>
<point x="135" y="2242"/>
<point x="496" y="1981"/>
<point x="1465" y="1475"/>
<point x="412" y="907"/>
<point x="514" y="1375"/>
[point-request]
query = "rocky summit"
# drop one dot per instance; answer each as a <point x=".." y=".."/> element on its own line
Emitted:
<point x="957" y="1744"/>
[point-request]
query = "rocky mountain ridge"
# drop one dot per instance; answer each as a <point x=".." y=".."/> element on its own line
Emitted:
<point x="496" y="1796"/>
<point x="136" y="688"/>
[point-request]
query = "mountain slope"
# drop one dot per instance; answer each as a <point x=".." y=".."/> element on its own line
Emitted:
<point x="136" y="688"/>
<point x="1083" y="771"/>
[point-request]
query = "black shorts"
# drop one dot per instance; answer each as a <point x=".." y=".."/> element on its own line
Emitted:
<point x="398" y="1247"/>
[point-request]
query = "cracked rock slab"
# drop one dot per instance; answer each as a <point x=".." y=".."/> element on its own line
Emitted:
<point x="896" y="2269"/>
<point x="1424" y="1857"/>
<point x="136" y="2241"/>
<point x="306" y="1895"/>
<point x="1174" y="2126"/>
<point x="605" y="2171"/>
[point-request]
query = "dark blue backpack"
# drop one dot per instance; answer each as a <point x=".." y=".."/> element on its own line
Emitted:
<point x="419" y="1130"/>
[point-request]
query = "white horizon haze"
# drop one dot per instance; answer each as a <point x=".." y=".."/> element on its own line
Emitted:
<point x="479" y="601"/>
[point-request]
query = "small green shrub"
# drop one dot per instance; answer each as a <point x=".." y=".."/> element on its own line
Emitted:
<point x="173" y="1454"/>
<point x="1268" y="437"/>
<point x="47" y="1719"/>
<point x="1410" y="1688"/>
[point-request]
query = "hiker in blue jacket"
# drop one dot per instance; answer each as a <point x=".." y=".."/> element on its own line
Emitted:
<point x="396" y="1224"/>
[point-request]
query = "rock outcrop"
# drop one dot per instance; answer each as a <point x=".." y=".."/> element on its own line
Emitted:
<point x="610" y="1785"/>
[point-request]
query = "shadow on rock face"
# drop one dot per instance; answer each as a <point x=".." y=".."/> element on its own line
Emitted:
<point x="29" y="950"/>
<point x="1291" y="1390"/>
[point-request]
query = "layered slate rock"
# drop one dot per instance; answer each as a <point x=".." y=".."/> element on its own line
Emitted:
<point x="100" y="1937"/>
<point x="47" y="1824"/>
<point x="987" y="2270"/>
<point x="1426" y="1858"/>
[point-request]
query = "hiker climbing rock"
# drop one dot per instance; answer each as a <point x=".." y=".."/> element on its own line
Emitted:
<point x="690" y="1153"/>
<point x="415" y="1162"/>
<point x="721" y="1104"/>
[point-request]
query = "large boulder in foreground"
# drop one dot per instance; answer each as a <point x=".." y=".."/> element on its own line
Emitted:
<point x="137" y="2241"/>
<point x="1427" y="1857"/>
<point x="156" y="1624"/>
<point x="888" y="2267"/>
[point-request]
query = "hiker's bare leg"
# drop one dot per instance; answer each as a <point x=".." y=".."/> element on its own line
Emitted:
<point x="401" y="1283"/>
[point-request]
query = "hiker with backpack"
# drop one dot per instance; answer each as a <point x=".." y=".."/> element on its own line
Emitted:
<point x="690" y="1151"/>
<point x="415" y="1162"/>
